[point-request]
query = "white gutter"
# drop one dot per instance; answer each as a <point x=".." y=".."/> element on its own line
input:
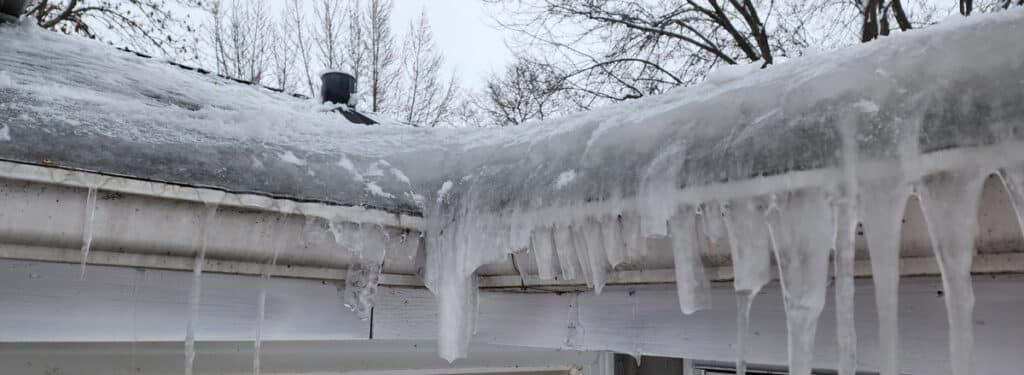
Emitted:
<point x="45" y="223"/>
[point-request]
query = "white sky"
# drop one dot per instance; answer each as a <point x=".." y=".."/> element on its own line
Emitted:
<point x="463" y="31"/>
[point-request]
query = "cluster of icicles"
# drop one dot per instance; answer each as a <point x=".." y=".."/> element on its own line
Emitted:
<point x="367" y="242"/>
<point x="803" y="228"/>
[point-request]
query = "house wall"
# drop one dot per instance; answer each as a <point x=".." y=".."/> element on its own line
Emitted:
<point x="46" y="303"/>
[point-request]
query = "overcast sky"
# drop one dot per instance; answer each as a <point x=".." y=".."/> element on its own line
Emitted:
<point x="463" y="29"/>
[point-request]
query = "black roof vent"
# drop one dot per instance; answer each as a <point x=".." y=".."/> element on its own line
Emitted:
<point x="337" y="87"/>
<point x="10" y="10"/>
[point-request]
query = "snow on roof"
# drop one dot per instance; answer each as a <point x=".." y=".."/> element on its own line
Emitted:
<point x="882" y="107"/>
<point x="113" y="112"/>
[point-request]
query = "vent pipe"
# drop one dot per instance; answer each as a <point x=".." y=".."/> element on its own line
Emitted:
<point x="337" y="87"/>
<point x="11" y="10"/>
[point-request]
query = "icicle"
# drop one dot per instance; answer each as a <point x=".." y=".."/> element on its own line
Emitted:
<point x="750" y="246"/>
<point x="582" y="255"/>
<point x="845" y="232"/>
<point x="802" y="235"/>
<point x="517" y="263"/>
<point x="691" y="284"/>
<point x="195" y="295"/>
<point x="950" y="204"/>
<point x="457" y="299"/>
<point x="882" y="212"/>
<point x="744" y="300"/>
<point x="614" y="247"/>
<point x="596" y="254"/>
<point x="361" y="288"/>
<point x="566" y="250"/>
<point x="846" y="223"/>
<point x="633" y="238"/>
<point x="261" y="304"/>
<point x="1014" y="179"/>
<point x="140" y="275"/>
<point x="89" y="217"/>
<point x="543" y="251"/>
<point x="364" y="273"/>
<point x="750" y="243"/>
<point x="258" y="343"/>
<point x="638" y="348"/>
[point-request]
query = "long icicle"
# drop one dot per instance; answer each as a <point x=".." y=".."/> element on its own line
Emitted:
<point x="195" y="295"/>
<point x="846" y="228"/>
<point x="692" y="284"/>
<point x="949" y="201"/>
<point x="261" y="308"/>
<point x="802" y="235"/>
<point x="750" y="247"/>
<point x="88" y="219"/>
<point x="882" y="216"/>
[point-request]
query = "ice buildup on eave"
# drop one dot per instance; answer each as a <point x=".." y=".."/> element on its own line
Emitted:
<point x="785" y="160"/>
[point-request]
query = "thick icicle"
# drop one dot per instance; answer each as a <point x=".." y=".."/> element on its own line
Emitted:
<point x="802" y="235"/>
<point x="845" y="232"/>
<point x="364" y="272"/>
<point x="543" y="252"/>
<point x="692" y="284"/>
<point x="566" y="249"/>
<point x="195" y="294"/>
<point x="458" y="301"/>
<point x="750" y="246"/>
<point x="614" y="247"/>
<point x="361" y="288"/>
<point x="596" y="254"/>
<point x="950" y="204"/>
<point x="846" y="228"/>
<point x="89" y="217"/>
<point x="882" y="212"/>
<point x="582" y="255"/>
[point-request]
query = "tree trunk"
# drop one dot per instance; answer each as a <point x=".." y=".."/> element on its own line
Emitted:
<point x="900" y="15"/>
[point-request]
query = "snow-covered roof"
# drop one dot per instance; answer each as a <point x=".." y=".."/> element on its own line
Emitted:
<point x="75" y="103"/>
<point x="78" y="104"/>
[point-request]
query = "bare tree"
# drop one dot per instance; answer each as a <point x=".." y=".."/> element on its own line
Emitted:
<point x="282" y="54"/>
<point x="355" y="43"/>
<point x="150" y="26"/>
<point x="426" y="99"/>
<point x="381" y="57"/>
<point x="328" y="33"/>
<point x="242" y="39"/>
<point x="470" y="110"/>
<point x="527" y="91"/>
<point x="295" y="15"/>
<point x="624" y="49"/>
<point x="876" y="15"/>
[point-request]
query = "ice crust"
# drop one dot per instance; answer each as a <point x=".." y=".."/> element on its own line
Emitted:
<point x="785" y="160"/>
